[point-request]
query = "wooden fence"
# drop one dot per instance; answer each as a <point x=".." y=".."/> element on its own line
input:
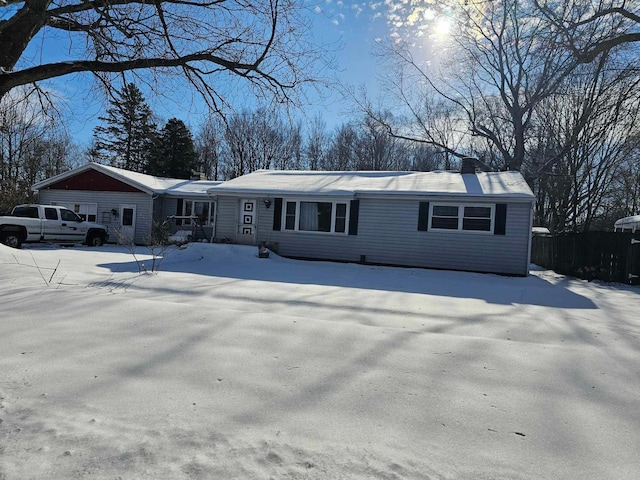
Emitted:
<point x="608" y="256"/>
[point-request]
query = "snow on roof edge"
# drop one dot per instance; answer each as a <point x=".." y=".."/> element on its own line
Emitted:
<point x="148" y="183"/>
<point x="360" y="193"/>
<point x="627" y="220"/>
<point x="393" y="183"/>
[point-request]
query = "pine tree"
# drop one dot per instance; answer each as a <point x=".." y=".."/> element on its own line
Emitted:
<point x="126" y="138"/>
<point x="174" y="153"/>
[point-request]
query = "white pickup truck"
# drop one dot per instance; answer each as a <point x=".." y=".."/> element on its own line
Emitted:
<point x="49" y="223"/>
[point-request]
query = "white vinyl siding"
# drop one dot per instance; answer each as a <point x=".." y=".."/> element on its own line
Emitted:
<point x="387" y="234"/>
<point x="108" y="203"/>
<point x="227" y="219"/>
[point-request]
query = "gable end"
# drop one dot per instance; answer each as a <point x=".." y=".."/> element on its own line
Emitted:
<point x="94" y="181"/>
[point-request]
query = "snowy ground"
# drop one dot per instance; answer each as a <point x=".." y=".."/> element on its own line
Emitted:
<point x="226" y="366"/>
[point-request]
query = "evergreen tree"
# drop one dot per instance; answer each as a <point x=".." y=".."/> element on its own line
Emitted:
<point x="174" y="154"/>
<point x="126" y="138"/>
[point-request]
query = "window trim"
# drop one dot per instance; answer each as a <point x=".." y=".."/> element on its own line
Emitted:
<point x="461" y="209"/>
<point x="298" y="201"/>
<point x="186" y="221"/>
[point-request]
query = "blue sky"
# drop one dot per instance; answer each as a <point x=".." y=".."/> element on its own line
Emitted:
<point x="353" y="27"/>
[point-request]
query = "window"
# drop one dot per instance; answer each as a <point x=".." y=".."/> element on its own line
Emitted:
<point x="341" y="218"/>
<point x="26" y="212"/>
<point x="203" y="211"/>
<point x="445" y="217"/>
<point x="69" y="216"/>
<point x="471" y="218"/>
<point x="127" y="217"/>
<point x="290" y="216"/>
<point x="477" y="218"/>
<point x="50" y="213"/>
<point x="304" y="216"/>
<point x="86" y="211"/>
<point x="315" y="216"/>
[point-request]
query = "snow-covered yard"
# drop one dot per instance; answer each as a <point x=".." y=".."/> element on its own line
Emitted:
<point x="227" y="366"/>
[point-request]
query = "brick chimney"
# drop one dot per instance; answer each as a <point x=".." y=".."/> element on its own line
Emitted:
<point x="468" y="165"/>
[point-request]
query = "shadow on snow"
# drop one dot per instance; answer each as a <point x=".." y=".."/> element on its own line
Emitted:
<point x="242" y="263"/>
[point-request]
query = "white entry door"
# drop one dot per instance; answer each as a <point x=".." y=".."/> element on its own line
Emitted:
<point x="247" y="222"/>
<point x="127" y="224"/>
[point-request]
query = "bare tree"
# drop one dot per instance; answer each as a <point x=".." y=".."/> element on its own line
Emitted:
<point x="375" y="149"/>
<point x="420" y="157"/>
<point x="290" y="155"/>
<point x="592" y="28"/>
<point x="423" y="116"/>
<point x="208" y="145"/>
<point x="261" y="139"/>
<point x="32" y="146"/>
<point x="341" y="155"/>
<point x="504" y="62"/>
<point x="585" y="146"/>
<point x="209" y="41"/>
<point x="626" y="202"/>
<point x="317" y="144"/>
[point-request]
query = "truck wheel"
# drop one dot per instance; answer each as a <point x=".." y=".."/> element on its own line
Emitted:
<point x="95" y="240"/>
<point x="11" y="239"/>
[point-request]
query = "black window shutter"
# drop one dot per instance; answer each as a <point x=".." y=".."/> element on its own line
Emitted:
<point x="423" y="216"/>
<point x="179" y="212"/>
<point x="500" y="225"/>
<point x="277" y="214"/>
<point x="353" y="217"/>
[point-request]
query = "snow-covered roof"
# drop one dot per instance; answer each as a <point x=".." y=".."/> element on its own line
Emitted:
<point x="147" y="183"/>
<point x="634" y="219"/>
<point x="281" y="182"/>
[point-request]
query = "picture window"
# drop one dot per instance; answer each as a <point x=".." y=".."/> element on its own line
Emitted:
<point x="324" y="217"/>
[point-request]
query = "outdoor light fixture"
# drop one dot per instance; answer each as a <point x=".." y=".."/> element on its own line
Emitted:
<point x="267" y="203"/>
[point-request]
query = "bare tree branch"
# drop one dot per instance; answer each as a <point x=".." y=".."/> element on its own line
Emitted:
<point x="261" y="42"/>
<point x="588" y="33"/>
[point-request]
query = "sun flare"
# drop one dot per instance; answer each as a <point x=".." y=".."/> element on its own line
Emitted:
<point x="442" y="27"/>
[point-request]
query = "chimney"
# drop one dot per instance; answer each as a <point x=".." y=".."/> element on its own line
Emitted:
<point x="198" y="176"/>
<point x="468" y="165"/>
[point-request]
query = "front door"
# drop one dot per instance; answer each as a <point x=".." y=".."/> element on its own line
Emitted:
<point x="247" y="222"/>
<point x="127" y="228"/>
